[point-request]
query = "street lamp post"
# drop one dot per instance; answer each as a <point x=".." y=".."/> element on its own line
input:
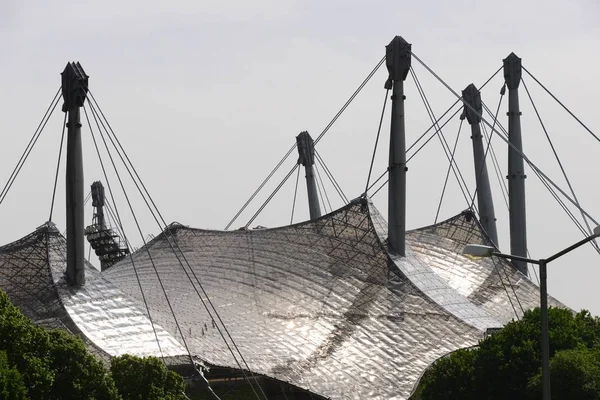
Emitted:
<point x="478" y="251"/>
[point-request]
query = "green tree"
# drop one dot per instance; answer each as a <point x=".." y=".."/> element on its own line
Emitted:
<point x="25" y="346"/>
<point x="77" y="373"/>
<point x="36" y="363"/>
<point x="575" y="374"/>
<point x="504" y="364"/>
<point x="456" y="368"/>
<point x="53" y="364"/>
<point x="145" y="379"/>
<point x="11" y="381"/>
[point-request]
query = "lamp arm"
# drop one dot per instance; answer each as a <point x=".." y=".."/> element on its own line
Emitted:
<point x="516" y="258"/>
<point x="573" y="247"/>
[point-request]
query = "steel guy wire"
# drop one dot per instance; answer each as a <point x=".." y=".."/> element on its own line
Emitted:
<point x="62" y="138"/>
<point x="30" y="146"/>
<point x="505" y="139"/>
<point x="124" y="157"/>
<point x="560" y="164"/>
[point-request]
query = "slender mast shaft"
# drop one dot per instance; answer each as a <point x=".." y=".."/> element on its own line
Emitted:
<point x="74" y="89"/>
<point x="516" y="170"/>
<point x="398" y="64"/>
<point x="485" y="202"/>
<point x="306" y="152"/>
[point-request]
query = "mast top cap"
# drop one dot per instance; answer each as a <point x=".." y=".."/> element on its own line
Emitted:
<point x="74" y="86"/>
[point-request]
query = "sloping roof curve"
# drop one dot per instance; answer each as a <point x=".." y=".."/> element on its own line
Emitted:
<point x="110" y="323"/>
<point x="322" y="304"/>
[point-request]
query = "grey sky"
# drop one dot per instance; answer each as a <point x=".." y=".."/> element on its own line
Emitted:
<point x="207" y="96"/>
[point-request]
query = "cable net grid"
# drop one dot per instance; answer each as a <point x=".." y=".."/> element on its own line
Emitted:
<point x="318" y="304"/>
<point x="321" y="305"/>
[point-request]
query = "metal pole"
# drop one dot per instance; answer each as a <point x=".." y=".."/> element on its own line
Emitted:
<point x="74" y="90"/>
<point x="75" y="213"/>
<point x="398" y="65"/>
<point x="306" y="152"/>
<point x="485" y="201"/>
<point x="545" y="337"/>
<point x="516" y="170"/>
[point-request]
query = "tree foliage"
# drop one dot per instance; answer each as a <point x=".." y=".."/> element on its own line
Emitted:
<point x="36" y="363"/>
<point x="11" y="381"/>
<point x="575" y="374"/>
<point x="146" y="379"/>
<point x="507" y="364"/>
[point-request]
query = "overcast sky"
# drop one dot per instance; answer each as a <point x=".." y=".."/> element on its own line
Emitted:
<point x="207" y="96"/>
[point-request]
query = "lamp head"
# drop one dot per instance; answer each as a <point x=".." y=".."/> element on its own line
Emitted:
<point x="597" y="230"/>
<point x="475" y="251"/>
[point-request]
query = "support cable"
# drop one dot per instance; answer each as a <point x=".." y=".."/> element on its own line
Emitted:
<point x="564" y="207"/>
<point x="562" y="105"/>
<point x="146" y="197"/>
<point x="321" y="197"/>
<point x="560" y="164"/>
<point x="380" y="187"/>
<point x="324" y="190"/>
<point x="113" y="217"/>
<point x="547" y="183"/>
<point x="479" y="174"/>
<point x="455" y="169"/>
<point x="533" y="269"/>
<point x="506" y="290"/>
<point x="377" y="180"/>
<point x="262" y="207"/>
<point x="62" y="138"/>
<point x="377" y="140"/>
<point x="356" y="92"/>
<point x="137" y="277"/>
<point x="416" y="151"/>
<point x="497" y="169"/>
<point x="295" y="194"/>
<point x="434" y="134"/>
<point x="96" y="115"/>
<point x="329" y="125"/>
<point x="419" y="139"/>
<point x="328" y="173"/>
<point x="435" y="125"/>
<point x="261" y="186"/>
<point x="514" y="291"/>
<point x="542" y="178"/>
<point x="30" y="145"/>
<point x="505" y="139"/>
<point x="87" y="198"/>
<point x="449" y="109"/>
<point x="179" y="329"/>
<point x="437" y="214"/>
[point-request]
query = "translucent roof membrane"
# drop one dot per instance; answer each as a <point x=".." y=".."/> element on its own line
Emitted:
<point x="321" y="305"/>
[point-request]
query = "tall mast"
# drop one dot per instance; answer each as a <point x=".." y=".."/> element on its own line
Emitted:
<point x="74" y="90"/>
<point x="397" y="61"/>
<point x="516" y="172"/>
<point x="485" y="201"/>
<point x="306" y="152"/>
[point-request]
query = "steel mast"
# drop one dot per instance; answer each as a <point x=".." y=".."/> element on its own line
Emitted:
<point x="516" y="171"/>
<point x="74" y="91"/>
<point x="397" y="61"/>
<point x="485" y="202"/>
<point x="306" y="153"/>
